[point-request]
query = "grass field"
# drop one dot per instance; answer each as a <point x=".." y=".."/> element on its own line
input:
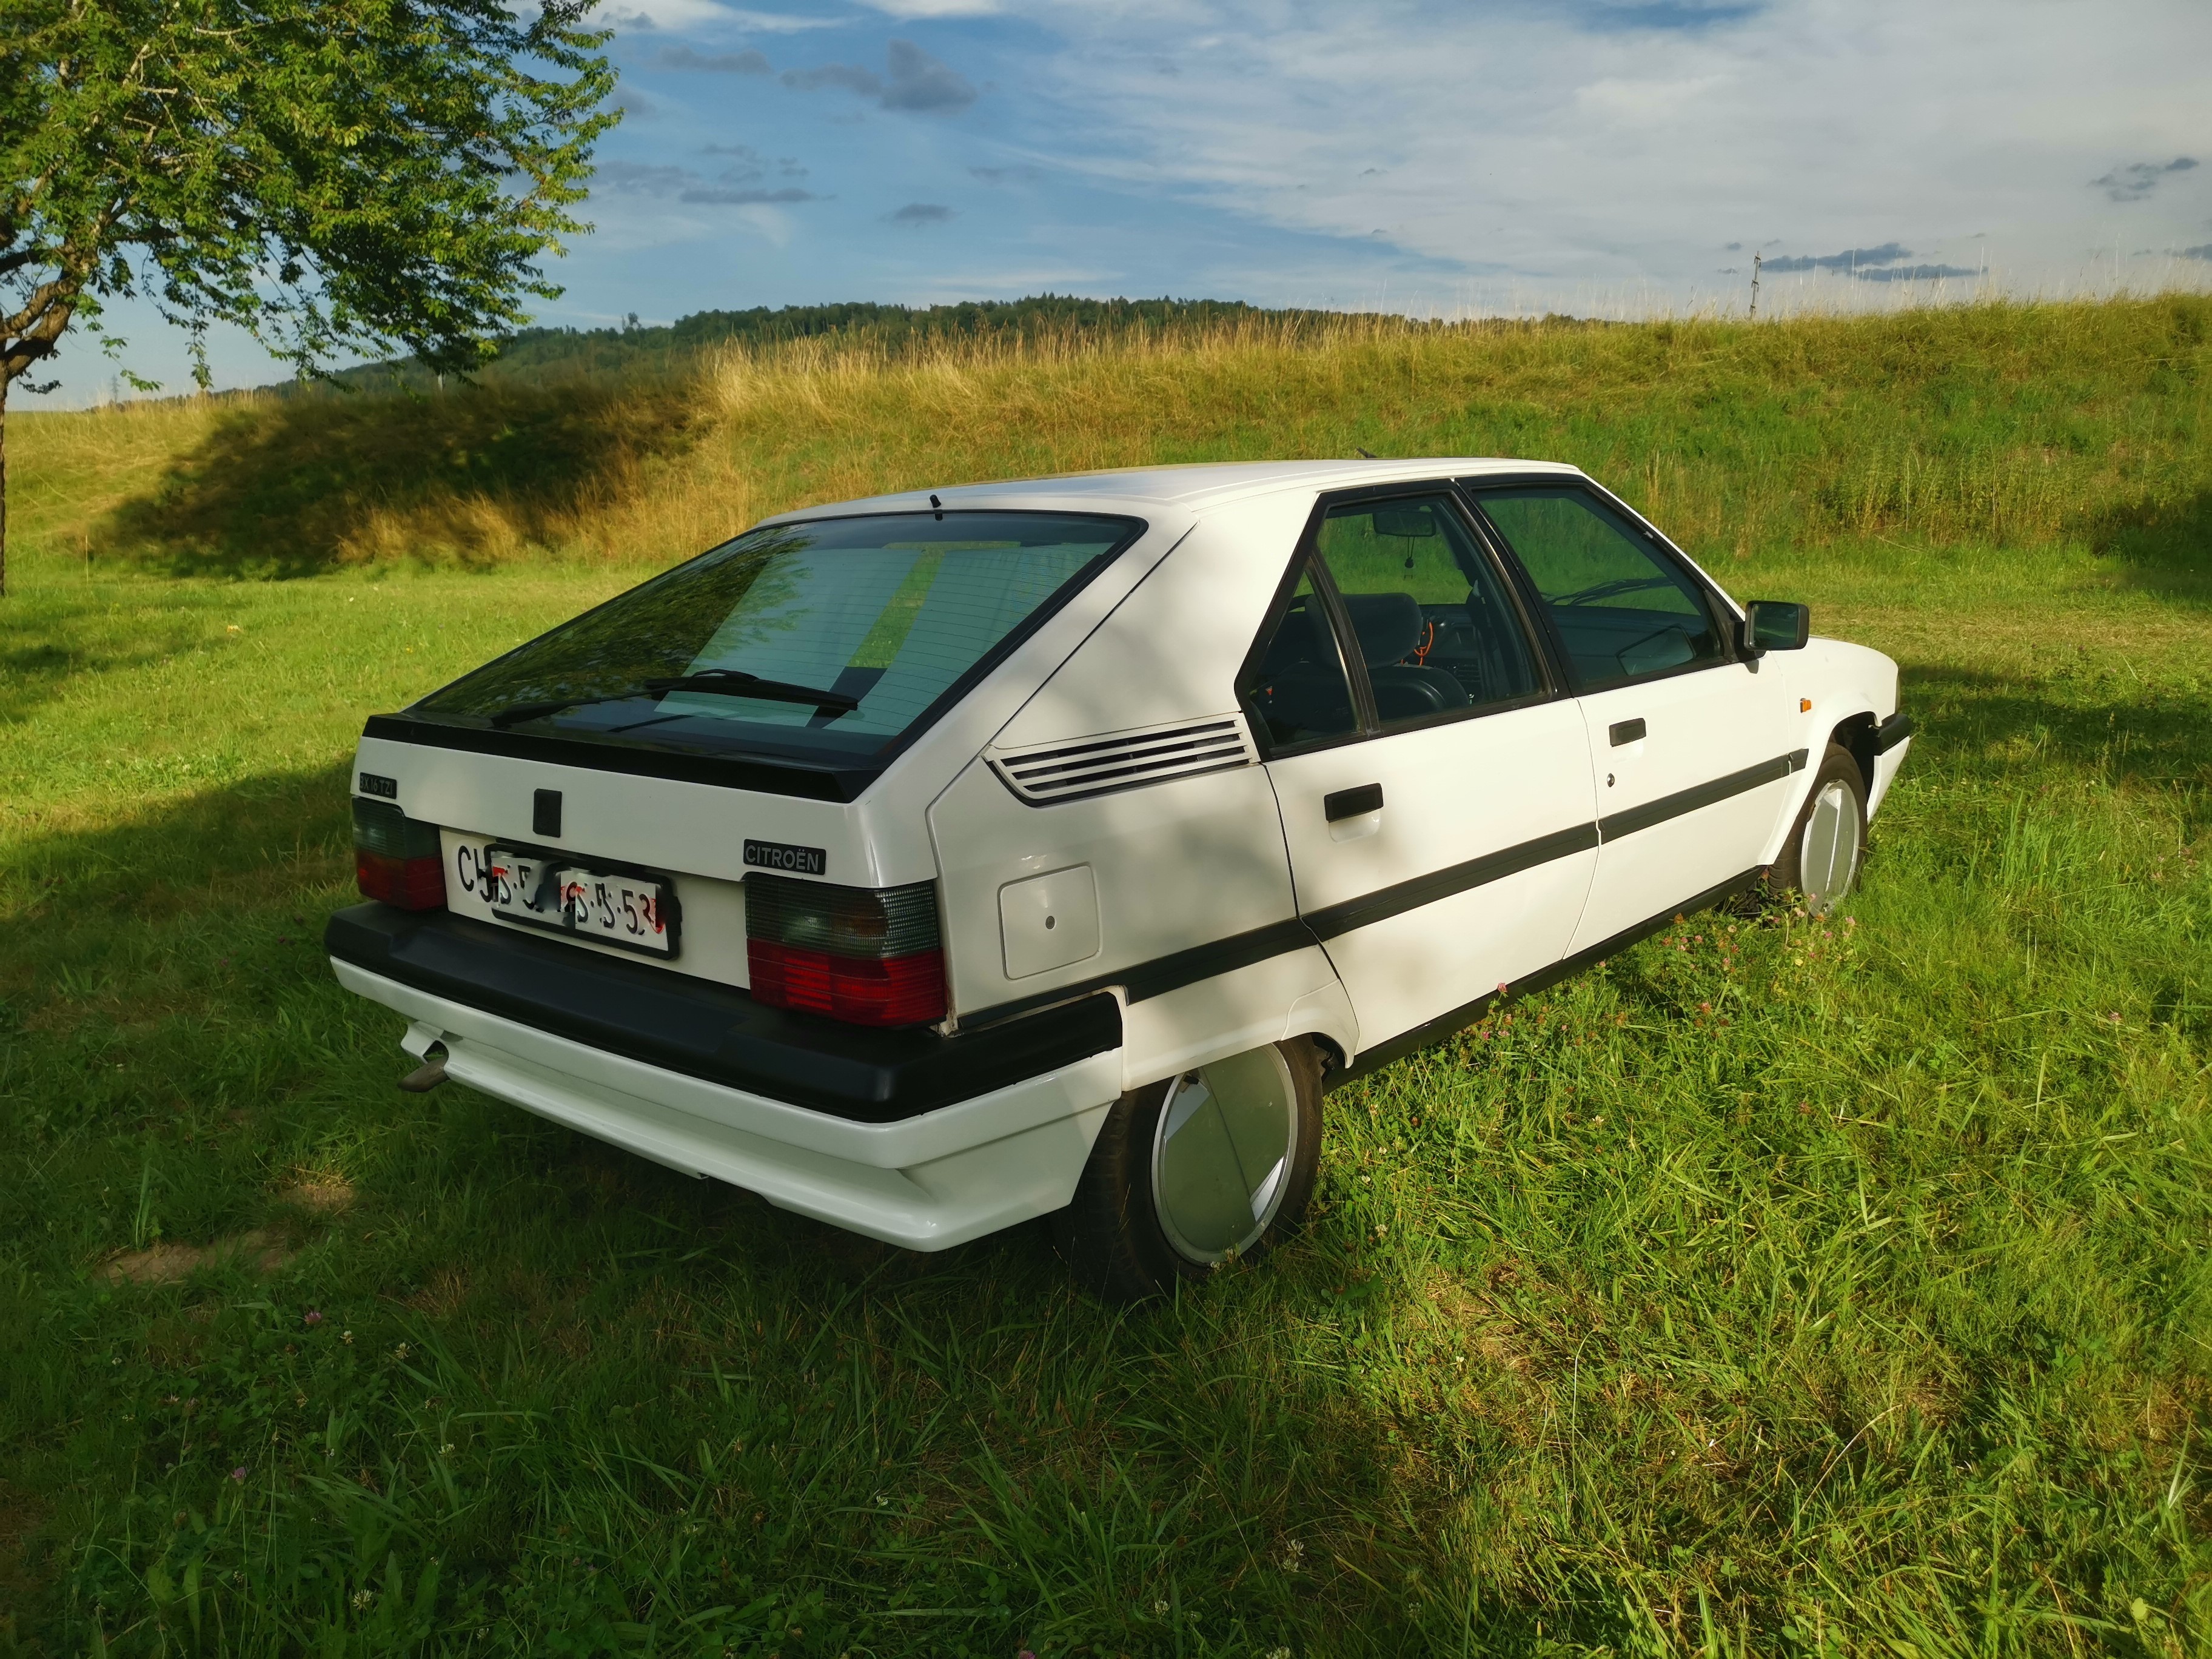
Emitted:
<point x="1784" y="1288"/>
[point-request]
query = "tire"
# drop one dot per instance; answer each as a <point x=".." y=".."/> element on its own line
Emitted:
<point x="1827" y="848"/>
<point x="1154" y="1210"/>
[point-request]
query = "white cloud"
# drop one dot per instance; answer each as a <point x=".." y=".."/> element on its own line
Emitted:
<point x="706" y="16"/>
<point x="911" y="9"/>
<point x="777" y="22"/>
<point x="647" y="16"/>
<point x="1532" y="144"/>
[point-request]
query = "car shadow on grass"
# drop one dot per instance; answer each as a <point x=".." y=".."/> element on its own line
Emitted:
<point x="946" y="1432"/>
<point x="295" y="486"/>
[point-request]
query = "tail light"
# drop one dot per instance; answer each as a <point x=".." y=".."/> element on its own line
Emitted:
<point x="396" y="858"/>
<point x="868" y="955"/>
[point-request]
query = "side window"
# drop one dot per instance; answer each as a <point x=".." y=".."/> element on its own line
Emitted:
<point x="1298" y="687"/>
<point x="1623" y="609"/>
<point x="1435" y="627"/>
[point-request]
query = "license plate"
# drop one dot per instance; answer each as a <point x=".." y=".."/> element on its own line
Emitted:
<point x="635" y="912"/>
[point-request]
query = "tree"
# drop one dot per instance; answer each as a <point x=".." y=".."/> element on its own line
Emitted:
<point x="331" y="175"/>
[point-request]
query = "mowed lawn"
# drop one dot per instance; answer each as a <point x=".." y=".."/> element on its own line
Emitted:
<point x="1799" y="1287"/>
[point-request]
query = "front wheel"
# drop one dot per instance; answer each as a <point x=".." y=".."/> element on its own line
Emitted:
<point x="1828" y="844"/>
<point x="1210" y="1167"/>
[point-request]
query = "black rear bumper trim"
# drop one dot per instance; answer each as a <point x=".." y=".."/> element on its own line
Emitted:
<point x="711" y="1031"/>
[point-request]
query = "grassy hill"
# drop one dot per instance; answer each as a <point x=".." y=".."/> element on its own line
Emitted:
<point x="1993" y="426"/>
<point x="1808" y="1289"/>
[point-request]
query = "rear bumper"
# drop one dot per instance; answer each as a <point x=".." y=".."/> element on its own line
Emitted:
<point x="927" y="1182"/>
<point x="885" y="1142"/>
<point x="709" y="1030"/>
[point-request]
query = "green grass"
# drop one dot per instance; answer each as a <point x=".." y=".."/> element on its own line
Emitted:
<point x="1784" y="1288"/>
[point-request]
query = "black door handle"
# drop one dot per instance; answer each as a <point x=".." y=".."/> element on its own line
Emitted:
<point x="1626" y="731"/>
<point x="1352" y="803"/>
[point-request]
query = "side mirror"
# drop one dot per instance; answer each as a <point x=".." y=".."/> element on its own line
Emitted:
<point x="1775" y="625"/>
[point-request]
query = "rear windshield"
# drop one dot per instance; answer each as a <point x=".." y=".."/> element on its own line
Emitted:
<point x="881" y="618"/>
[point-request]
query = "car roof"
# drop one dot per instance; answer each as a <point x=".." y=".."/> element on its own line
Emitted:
<point x="1194" y="489"/>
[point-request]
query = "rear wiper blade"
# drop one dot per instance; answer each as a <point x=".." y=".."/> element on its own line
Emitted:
<point x="719" y="682"/>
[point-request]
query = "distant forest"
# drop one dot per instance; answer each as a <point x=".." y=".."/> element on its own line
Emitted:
<point x="546" y="353"/>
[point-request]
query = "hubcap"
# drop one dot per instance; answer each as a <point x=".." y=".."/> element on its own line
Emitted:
<point x="1829" y="858"/>
<point x="1226" y="1138"/>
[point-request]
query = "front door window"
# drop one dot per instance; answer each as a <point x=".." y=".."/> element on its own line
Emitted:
<point x="1624" y="611"/>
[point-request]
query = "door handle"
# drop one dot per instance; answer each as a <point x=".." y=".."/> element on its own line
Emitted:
<point x="1352" y="803"/>
<point x="1626" y="731"/>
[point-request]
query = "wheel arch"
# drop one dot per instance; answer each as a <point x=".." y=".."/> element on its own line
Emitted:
<point x="1856" y="733"/>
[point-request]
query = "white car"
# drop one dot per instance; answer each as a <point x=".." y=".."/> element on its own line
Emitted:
<point x="932" y="863"/>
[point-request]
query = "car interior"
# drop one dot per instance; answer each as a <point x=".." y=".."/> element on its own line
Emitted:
<point x="1434" y="628"/>
<point x="1623" y="609"/>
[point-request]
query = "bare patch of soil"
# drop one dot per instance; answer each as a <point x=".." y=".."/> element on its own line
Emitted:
<point x="172" y="1264"/>
<point x="320" y="1192"/>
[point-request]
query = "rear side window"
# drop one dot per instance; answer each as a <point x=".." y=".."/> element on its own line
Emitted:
<point x="826" y="639"/>
<point x="1624" y="610"/>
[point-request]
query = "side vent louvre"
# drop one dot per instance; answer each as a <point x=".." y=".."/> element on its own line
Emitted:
<point x="1125" y="760"/>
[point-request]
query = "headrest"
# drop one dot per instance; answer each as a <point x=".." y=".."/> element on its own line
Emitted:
<point x="1388" y="625"/>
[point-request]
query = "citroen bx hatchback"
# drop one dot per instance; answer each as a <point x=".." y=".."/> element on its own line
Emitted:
<point x="933" y="863"/>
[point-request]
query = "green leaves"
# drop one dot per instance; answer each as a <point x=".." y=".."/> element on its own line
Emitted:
<point x="331" y="175"/>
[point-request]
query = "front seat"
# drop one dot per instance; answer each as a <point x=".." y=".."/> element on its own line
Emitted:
<point x="1388" y="627"/>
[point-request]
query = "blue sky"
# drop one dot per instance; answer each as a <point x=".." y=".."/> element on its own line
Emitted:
<point x="1608" y="157"/>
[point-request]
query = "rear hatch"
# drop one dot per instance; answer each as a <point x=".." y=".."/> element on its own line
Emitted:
<point x="670" y="778"/>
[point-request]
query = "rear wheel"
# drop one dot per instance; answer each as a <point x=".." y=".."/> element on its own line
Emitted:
<point x="1207" y="1168"/>
<point x="1828" y="844"/>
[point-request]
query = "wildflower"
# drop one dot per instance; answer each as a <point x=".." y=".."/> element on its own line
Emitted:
<point x="1292" y="1556"/>
<point x="361" y="1599"/>
<point x="314" y="1316"/>
<point x="345" y="1336"/>
<point x="1159" y="1609"/>
<point x="238" y="1474"/>
<point x="400" y="1353"/>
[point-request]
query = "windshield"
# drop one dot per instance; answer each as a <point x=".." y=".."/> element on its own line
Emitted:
<point x="886" y="614"/>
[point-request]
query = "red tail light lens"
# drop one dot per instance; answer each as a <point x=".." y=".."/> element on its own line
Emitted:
<point x="868" y="955"/>
<point x="397" y="859"/>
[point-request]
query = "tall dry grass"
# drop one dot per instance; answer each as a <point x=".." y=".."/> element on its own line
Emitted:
<point x="2001" y="425"/>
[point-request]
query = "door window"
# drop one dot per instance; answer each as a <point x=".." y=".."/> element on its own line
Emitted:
<point x="1297" y="688"/>
<point x="1436" y="629"/>
<point x="1624" y="610"/>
